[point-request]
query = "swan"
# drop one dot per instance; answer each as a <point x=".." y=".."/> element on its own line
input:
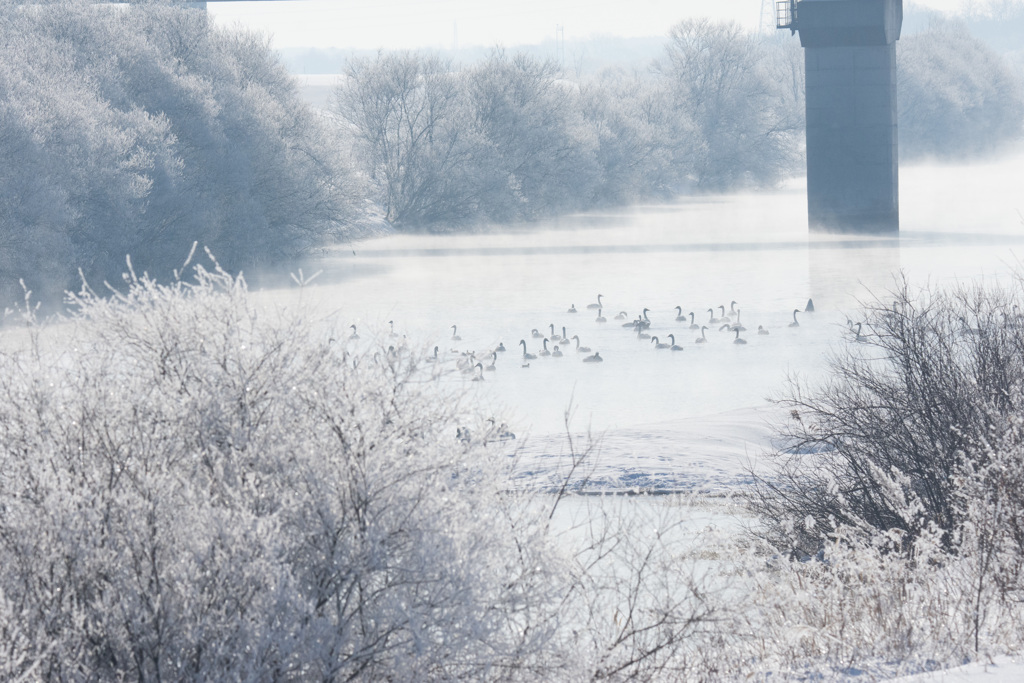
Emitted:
<point x="565" y="337"/>
<point x="622" y="315"/>
<point x="724" y="318"/>
<point x="494" y="359"/>
<point x="535" y="333"/>
<point x="354" y="335"/>
<point x="693" y="324"/>
<point x="580" y="349"/>
<point x="679" y="314"/>
<point x="544" y="351"/>
<point x="659" y="344"/>
<point x="557" y="353"/>
<point x="645" y="322"/>
<point x="674" y="347"/>
<point x="554" y="337"/>
<point x="640" y="334"/>
<point x="392" y="332"/>
<point x="738" y="325"/>
<point x="737" y="340"/>
<point x="857" y="336"/>
<point x="596" y="358"/>
<point x="761" y="329"/>
<point x="455" y="334"/>
<point x="572" y="308"/>
<point x="702" y="339"/>
<point x="597" y="305"/>
<point x="479" y="377"/>
<point x="810" y="306"/>
<point x="712" y="320"/>
<point x="732" y="308"/>
<point x="501" y="347"/>
<point x="795" y="323"/>
<point x="600" y="318"/>
<point x="526" y="356"/>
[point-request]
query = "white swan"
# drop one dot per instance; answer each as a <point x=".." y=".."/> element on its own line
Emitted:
<point x="557" y="353"/>
<point x="761" y="329"/>
<point x="738" y="340"/>
<point x="622" y="315"/>
<point x="544" y="351"/>
<point x="600" y="318"/>
<point x="597" y="305"/>
<point x="554" y="337"/>
<point x="596" y="358"/>
<point x="795" y="323"/>
<point x="702" y="339"/>
<point x="580" y="349"/>
<point x="679" y="314"/>
<point x="353" y="335"/>
<point x="674" y="347"/>
<point x="659" y="344"/>
<point x="526" y="355"/>
<point x="535" y="333"/>
<point x="572" y="308"/>
<point x="455" y="334"/>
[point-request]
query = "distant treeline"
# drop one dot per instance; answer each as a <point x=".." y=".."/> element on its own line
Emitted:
<point x="512" y="138"/>
<point x="141" y="129"/>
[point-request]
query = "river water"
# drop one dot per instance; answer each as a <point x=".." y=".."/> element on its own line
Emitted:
<point x="665" y="416"/>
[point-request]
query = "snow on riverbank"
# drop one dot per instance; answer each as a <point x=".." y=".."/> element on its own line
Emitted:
<point x="713" y="453"/>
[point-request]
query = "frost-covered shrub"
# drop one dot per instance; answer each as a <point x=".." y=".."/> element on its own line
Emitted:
<point x="193" y="487"/>
<point x="932" y="377"/>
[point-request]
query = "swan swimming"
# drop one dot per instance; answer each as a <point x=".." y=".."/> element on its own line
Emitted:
<point x="455" y="334"/>
<point x="659" y="344"/>
<point x="596" y="358"/>
<point x="580" y="349"/>
<point x="597" y="305"/>
<point x="674" y="347"/>
<point x="526" y="355"/>
<point x="600" y="318"/>
<point x="702" y="339"/>
<point x="795" y="323"/>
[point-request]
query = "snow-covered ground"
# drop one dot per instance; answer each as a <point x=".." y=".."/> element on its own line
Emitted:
<point x="999" y="670"/>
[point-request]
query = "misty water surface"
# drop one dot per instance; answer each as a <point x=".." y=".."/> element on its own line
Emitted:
<point x="958" y="223"/>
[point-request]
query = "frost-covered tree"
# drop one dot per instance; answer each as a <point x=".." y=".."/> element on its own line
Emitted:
<point x="742" y="113"/>
<point x="957" y="97"/>
<point x="415" y="135"/>
<point x="141" y="129"/>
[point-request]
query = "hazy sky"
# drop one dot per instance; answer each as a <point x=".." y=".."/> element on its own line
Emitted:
<point x="371" y="24"/>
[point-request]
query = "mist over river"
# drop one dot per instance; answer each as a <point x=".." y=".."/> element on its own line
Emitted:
<point x="664" y="416"/>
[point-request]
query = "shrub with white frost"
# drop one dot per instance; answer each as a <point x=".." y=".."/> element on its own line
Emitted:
<point x="192" y="487"/>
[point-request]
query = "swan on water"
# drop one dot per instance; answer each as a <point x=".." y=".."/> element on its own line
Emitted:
<point x="494" y="359"/>
<point x="535" y="333"/>
<point x="600" y="318"/>
<point x="455" y="334"/>
<point x="659" y="344"/>
<point x="597" y="305"/>
<point x="526" y="355"/>
<point x="738" y="340"/>
<point x="622" y="315"/>
<point x="693" y="323"/>
<point x="557" y="353"/>
<point x="640" y="334"/>
<point x="679" y="314"/>
<point x="572" y="308"/>
<point x="702" y="339"/>
<point x="580" y="349"/>
<point x="544" y="351"/>
<point x="712" y="320"/>
<point x="554" y="337"/>
<point x="795" y="322"/>
<point x="596" y="358"/>
<point x="479" y="377"/>
<point x="674" y="347"/>
<point x="761" y="329"/>
<point x="354" y="335"/>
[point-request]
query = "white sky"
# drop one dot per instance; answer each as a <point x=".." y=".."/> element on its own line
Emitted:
<point x="391" y="24"/>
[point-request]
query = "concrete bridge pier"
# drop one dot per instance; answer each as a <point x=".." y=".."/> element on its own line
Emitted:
<point x="850" y="61"/>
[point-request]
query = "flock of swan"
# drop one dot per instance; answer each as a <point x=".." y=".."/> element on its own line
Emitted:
<point x="556" y="342"/>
